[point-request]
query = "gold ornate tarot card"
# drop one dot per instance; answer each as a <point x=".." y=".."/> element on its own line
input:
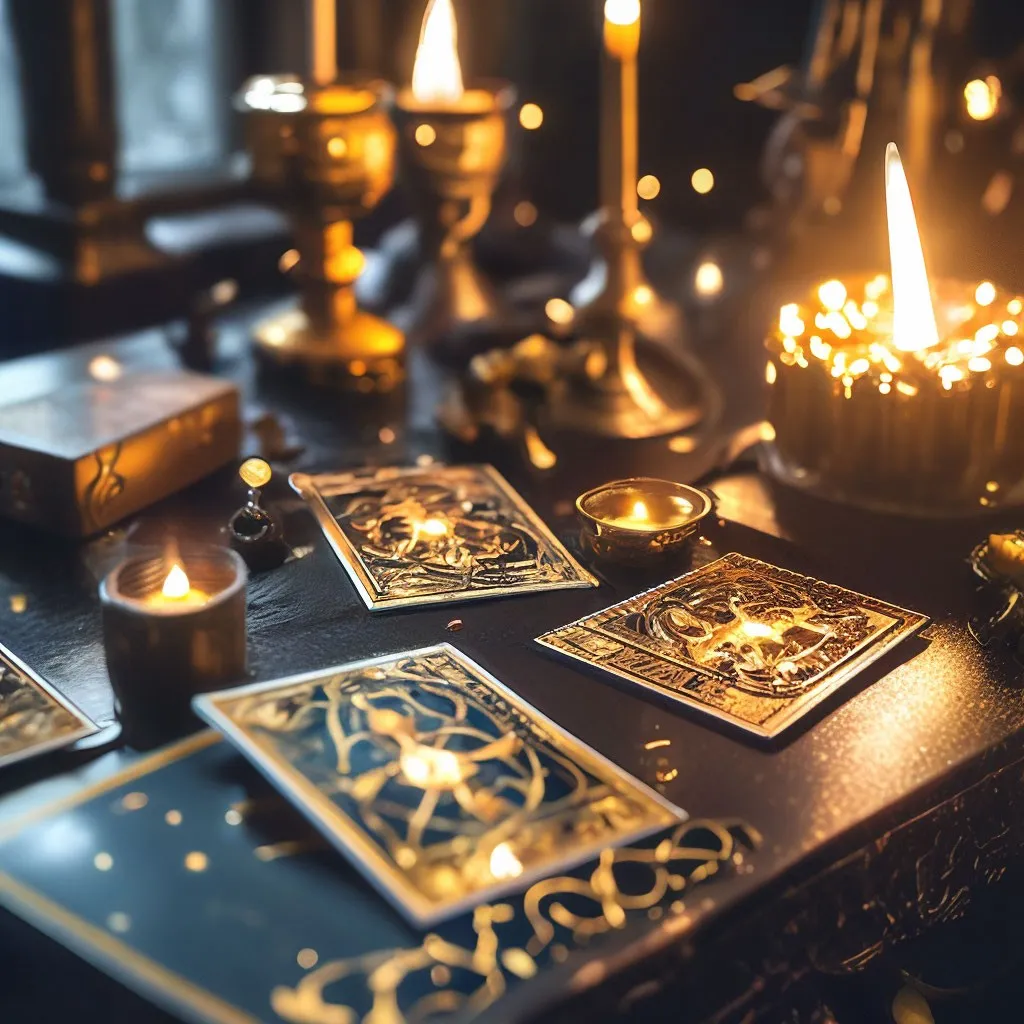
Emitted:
<point x="745" y="641"/>
<point x="34" y="718"/>
<point x="441" y="533"/>
<point x="441" y="785"/>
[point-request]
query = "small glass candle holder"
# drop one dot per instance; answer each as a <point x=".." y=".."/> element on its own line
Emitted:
<point x="637" y="521"/>
<point x="173" y="626"/>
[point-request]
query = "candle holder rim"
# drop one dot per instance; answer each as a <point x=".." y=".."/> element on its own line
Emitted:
<point x="705" y="509"/>
<point x="383" y="92"/>
<point x="501" y="90"/>
<point x="111" y="594"/>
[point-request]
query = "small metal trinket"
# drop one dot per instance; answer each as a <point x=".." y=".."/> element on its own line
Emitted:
<point x="255" y="533"/>
<point x="999" y="563"/>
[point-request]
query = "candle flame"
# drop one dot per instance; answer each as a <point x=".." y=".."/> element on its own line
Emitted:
<point x="639" y="510"/>
<point x="176" y="586"/>
<point x="504" y="862"/>
<point x="622" y="12"/>
<point x="437" y="73"/>
<point x="914" y="325"/>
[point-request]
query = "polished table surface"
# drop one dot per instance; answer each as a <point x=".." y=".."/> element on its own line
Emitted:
<point x="920" y="748"/>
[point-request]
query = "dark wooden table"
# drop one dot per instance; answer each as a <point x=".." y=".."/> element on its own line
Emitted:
<point x="884" y="816"/>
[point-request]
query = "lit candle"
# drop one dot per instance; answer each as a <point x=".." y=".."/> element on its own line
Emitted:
<point x="897" y="394"/>
<point x="170" y="633"/>
<point x="437" y="84"/>
<point x="453" y="147"/>
<point x="177" y="592"/>
<point x="323" y="40"/>
<point x="640" y="519"/>
<point x="619" y="92"/>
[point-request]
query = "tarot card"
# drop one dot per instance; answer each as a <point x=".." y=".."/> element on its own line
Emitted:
<point x="437" y="534"/>
<point x="440" y="784"/>
<point x="188" y="878"/>
<point x="739" y="639"/>
<point x="34" y="718"/>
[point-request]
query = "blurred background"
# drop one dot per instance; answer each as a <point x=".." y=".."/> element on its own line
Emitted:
<point x="122" y="158"/>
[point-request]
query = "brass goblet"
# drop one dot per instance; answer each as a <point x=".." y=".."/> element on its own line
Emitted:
<point x="452" y="158"/>
<point x="327" y="154"/>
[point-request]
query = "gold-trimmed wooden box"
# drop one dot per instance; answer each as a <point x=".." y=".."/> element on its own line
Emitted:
<point x="83" y="457"/>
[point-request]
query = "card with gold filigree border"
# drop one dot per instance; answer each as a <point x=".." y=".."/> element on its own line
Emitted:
<point x="440" y="784"/>
<point x="747" y="642"/>
<point x="436" y="534"/>
<point x="34" y="718"/>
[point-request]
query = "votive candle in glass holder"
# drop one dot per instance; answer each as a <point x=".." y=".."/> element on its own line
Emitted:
<point x="173" y="626"/>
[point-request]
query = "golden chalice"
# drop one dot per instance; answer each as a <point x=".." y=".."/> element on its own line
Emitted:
<point x="327" y="154"/>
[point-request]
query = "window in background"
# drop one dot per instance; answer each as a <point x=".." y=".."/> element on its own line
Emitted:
<point x="13" y="163"/>
<point x="172" y="85"/>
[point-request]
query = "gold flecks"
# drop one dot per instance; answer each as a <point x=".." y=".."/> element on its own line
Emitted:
<point x="307" y="958"/>
<point x="454" y="626"/>
<point x="196" y="861"/>
<point x="519" y="962"/>
<point x="386" y="435"/>
<point x="119" y="922"/>
<point x="19" y="602"/>
<point x="654" y="744"/>
<point x="440" y="975"/>
<point x="655" y="913"/>
<point x="173" y="818"/>
<point x="540" y="455"/>
<point x="682" y="444"/>
<point x="103" y="861"/>
<point x="134" y="801"/>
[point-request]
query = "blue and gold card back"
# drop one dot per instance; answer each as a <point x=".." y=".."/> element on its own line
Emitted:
<point x="440" y="784"/>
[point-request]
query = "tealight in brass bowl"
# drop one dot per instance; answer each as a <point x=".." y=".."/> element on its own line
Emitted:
<point x="640" y="520"/>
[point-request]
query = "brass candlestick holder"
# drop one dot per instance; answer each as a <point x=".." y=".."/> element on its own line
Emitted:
<point x="327" y="154"/>
<point x="452" y="156"/>
<point x="611" y="395"/>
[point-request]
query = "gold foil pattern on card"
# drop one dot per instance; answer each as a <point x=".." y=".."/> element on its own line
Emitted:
<point x="747" y="642"/>
<point x="435" y="534"/>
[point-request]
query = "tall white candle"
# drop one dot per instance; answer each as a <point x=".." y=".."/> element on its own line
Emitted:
<point x="323" y="40"/>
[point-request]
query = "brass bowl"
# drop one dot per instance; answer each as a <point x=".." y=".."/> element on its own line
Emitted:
<point x="640" y="520"/>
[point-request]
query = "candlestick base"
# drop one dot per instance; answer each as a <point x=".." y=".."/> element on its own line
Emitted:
<point x="363" y="353"/>
<point x="624" y="403"/>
